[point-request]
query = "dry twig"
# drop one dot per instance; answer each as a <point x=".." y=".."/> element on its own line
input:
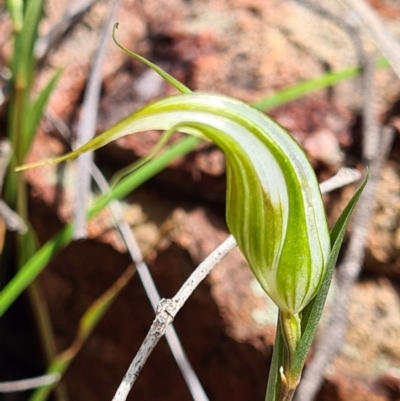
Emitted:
<point x="166" y="311"/>
<point x="87" y="125"/>
<point x="386" y="43"/>
<point x="168" y="308"/>
<point x="343" y="177"/>
<point x="376" y="144"/>
<point x="173" y="341"/>
<point x="29" y="384"/>
<point x="11" y="219"/>
<point x="74" y="10"/>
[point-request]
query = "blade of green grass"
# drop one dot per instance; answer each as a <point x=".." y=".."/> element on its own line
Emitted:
<point x="87" y="324"/>
<point x="23" y="62"/>
<point x="22" y="67"/>
<point x="16" y="10"/>
<point x="36" y="109"/>
<point x="303" y="88"/>
<point x="312" y="313"/>
<point x="276" y="362"/>
<point x="23" y="119"/>
<point x="30" y="270"/>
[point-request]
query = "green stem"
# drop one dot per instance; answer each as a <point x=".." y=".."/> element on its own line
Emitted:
<point x="291" y="332"/>
<point x="17" y="198"/>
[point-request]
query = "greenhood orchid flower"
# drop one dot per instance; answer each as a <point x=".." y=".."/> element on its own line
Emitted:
<point x="274" y="209"/>
<point x="274" y="206"/>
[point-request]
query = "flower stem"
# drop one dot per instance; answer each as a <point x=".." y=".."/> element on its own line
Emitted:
<point x="291" y="332"/>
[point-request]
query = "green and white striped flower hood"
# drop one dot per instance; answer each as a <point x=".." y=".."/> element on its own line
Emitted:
<point x="274" y="206"/>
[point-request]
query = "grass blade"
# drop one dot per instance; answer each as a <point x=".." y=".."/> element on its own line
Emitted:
<point x="303" y="88"/>
<point x="23" y="56"/>
<point x="312" y="313"/>
<point x="16" y="10"/>
<point x="36" y="109"/>
<point x="30" y="270"/>
<point x="87" y="324"/>
<point x="276" y="363"/>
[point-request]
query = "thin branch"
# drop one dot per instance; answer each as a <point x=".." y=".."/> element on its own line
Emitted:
<point x="386" y="43"/>
<point x="343" y="177"/>
<point x="376" y="144"/>
<point x="72" y="13"/>
<point x="11" y="219"/>
<point x="5" y="155"/>
<point x="332" y="336"/>
<point x="5" y="82"/>
<point x="87" y="125"/>
<point x="29" y="384"/>
<point x="173" y="341"/>
<point x="166" y="311"/>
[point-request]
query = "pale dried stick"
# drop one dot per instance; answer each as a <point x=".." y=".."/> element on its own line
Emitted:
<point x="71" y="14"/>
<point x="172" y="338"/>
<point x="87" y="124"/>
<point x="338" y="21"/>
<point x="343" y="177"/>
<point x="29" y="384"/>
<point x="5" y="156"/>
<point x="376" y="144"/>
<point x="386" y="43"/>
<point x="332" y="336"/>
<point x="167" y="309"/>
<point x="11" y="219"/>
<point x="173" y="341"/>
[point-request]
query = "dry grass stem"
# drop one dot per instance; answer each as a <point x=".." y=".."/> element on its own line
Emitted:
<point x="172" y="338"/>
<point x="87" y="124"/>
<point x="376" y="145"/>
<point x="168" y="308"/>
<point x="166" y="311"/>
<point x="29" y="384"/>
<point x="386" y="43"/>
<point x="72" y="13"/>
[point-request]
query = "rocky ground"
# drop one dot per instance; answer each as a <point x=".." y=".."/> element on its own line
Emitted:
<point x="248" y="49"/>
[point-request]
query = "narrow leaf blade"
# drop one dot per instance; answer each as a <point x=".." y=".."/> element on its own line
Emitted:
<point x="33" y="267"/>
<point x="312" y="313"/>
<point x="15" y="9"/>
<point x="301" y="89"/>
<point x="276" y="363"/>
<point x="23" y="57"/>
<point x="35" y="111"/>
